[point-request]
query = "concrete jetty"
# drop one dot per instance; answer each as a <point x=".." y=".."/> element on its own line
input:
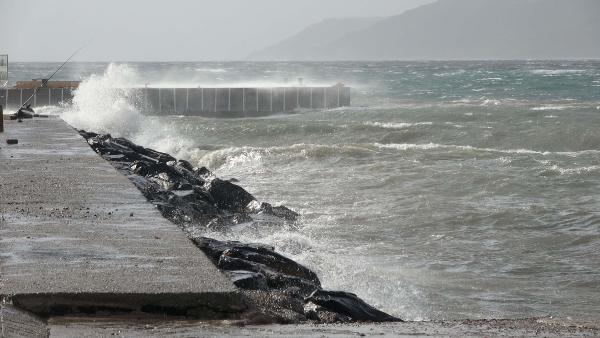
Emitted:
<point x="77" y="236"/>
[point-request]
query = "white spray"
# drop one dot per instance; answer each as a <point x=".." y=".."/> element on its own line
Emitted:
<point x="103" y="104"/>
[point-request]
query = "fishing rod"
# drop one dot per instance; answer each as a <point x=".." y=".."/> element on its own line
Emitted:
<point x="51" y="76"/>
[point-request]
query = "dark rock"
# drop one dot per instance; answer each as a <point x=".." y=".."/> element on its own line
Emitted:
<point x="273" y="261"/>
<point x="321" y="315"/>
<point x="348" y="304"/>
<point x="185" y="165"/>
<point x="214" y="248"/>
<point x="280" y="272"/>
<point x="248" y="280"/>
<point x="229" y="196"/>
<point x="239" y="218"/>
<point x="184" y="194"/>
<point x="280" y="211"/>
<point x="274" y="307"/>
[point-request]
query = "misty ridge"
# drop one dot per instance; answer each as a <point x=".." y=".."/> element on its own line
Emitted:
<point x="453" y="30"/>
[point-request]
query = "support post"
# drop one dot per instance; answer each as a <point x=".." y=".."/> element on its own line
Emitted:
<point x="49" y="96"/>
<point x="257" y="106"/>
<point x="216" y="97"/>
<point x="175" y="100"/>
<point x="62" y="96"/>
<point x="159" y="102"/>
<point x="325" y="98"/>
<point x="21" y="97"/>
<point x="1" y="120"/>
<point x="284" y="106"/>
<point x="187" y="99"/>
<point x="271" y="99"/>
<point x="311" y="105"/>
<point x="243" y="100"/>
<point x="229" y="99"/>
<point x="202" y="99"/>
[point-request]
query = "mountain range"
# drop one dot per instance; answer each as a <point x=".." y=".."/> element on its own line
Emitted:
<point x="454" y="30"/>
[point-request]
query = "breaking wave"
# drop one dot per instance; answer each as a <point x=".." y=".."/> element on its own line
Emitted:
<point x="247" y="156"/>
<point x="430" y="146"/>
<point x="102" y="103"/>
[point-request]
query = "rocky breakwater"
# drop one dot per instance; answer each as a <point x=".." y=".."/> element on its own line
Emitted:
<point x="276" y="288"/>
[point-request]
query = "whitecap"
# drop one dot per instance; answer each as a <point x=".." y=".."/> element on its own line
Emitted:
<point x="458" y="126"/>
<point x="455" y="73"/>
<point x="551" y="72"/>
<point x="555" y="170"/>
<point x="397" y="125"/>
<point x="550" y="107"/>
<point x="211" y="70"/>
<point x="490" y="102"/>
<point x="430" y="146"/>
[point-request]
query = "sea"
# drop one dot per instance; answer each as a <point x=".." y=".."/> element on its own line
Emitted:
<point x="448" y="190"/>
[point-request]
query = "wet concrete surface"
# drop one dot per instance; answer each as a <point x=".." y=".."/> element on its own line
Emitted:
<point x="542" y="327"/>
<point x="73" y="228"/>
<point x="18" y="323"/>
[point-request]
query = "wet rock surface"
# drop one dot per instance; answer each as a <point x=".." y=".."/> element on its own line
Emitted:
<point x="276" y="288"/>
<point x="183" y="193"/>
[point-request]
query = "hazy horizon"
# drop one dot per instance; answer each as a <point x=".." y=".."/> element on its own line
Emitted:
<point x="142" y="31"/>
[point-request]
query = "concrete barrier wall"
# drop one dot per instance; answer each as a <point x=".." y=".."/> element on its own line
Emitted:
<point x="13" y="98"/>
<point x="241" y="101"/>
<point x="201" y="101"/>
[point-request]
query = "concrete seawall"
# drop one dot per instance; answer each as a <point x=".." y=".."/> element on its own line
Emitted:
<point x="226" y="102"/>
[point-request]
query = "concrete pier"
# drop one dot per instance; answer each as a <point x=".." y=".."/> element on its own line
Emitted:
<point x="77" y="236"/>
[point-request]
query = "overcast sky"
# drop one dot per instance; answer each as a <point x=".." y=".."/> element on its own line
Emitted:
<point x="174" y="30"/>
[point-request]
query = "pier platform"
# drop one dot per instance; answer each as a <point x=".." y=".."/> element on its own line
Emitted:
<point x="78" y="237"/>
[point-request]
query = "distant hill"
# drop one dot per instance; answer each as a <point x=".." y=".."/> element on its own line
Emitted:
<point x="304" y="44"/>
<point x="455" y="29"/>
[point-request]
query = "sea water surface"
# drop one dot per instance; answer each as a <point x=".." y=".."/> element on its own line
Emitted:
<point x="448" y="190"/>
